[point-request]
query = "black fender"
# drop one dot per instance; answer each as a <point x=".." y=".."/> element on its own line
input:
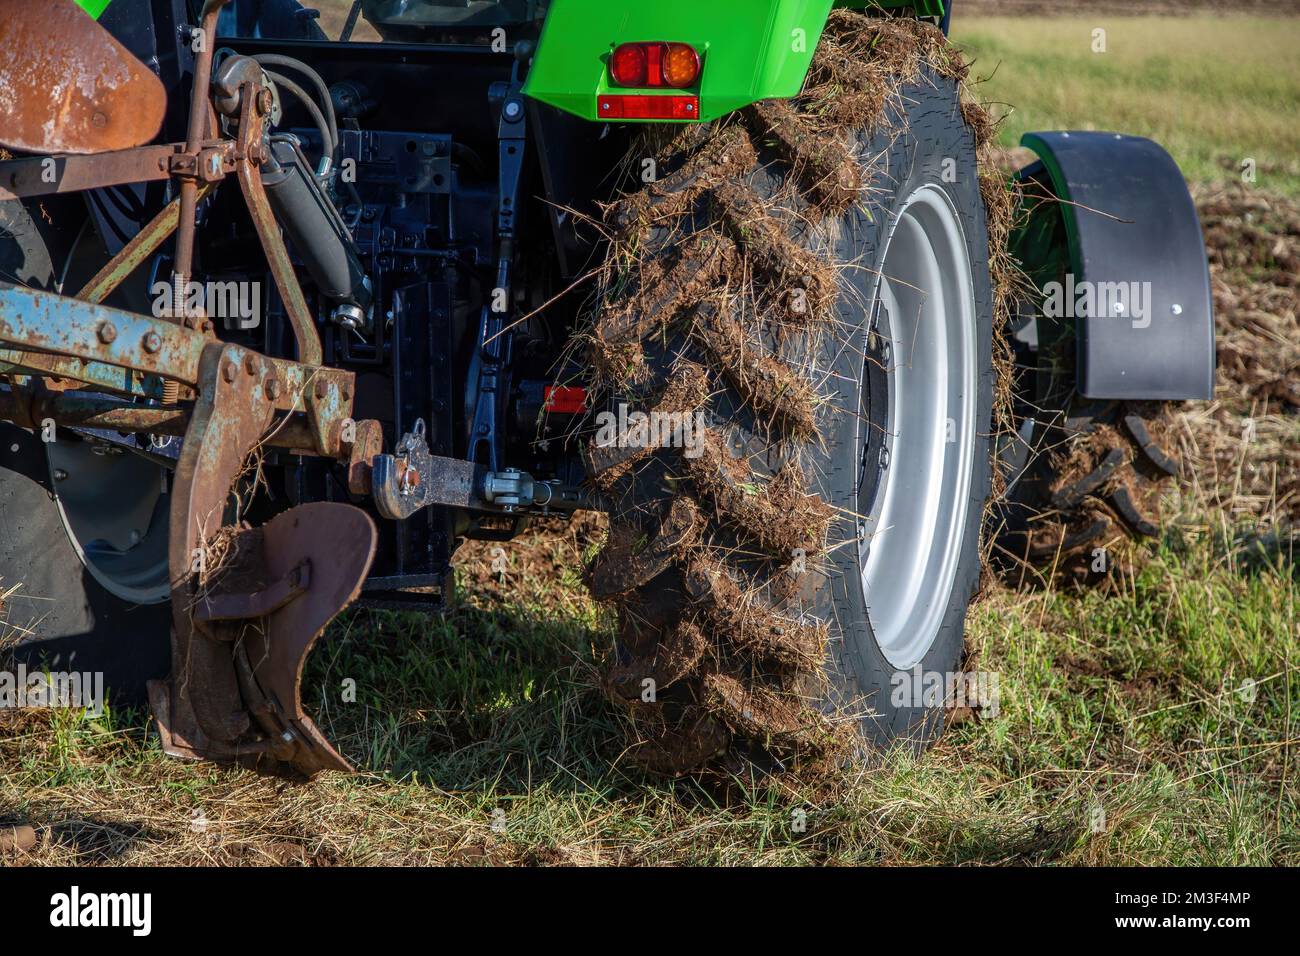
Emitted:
<point x="1132" y="272"/>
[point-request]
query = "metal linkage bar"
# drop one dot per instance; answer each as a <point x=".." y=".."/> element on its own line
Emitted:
<point x="136" y="252"/>
<point x="45" y="175"/>
<point x="31" y="410"/>
<point x="57" y="335"/>
<point x="42" y="321"/>
<point x="112" y="378"/>
<point x="411" y="479"/>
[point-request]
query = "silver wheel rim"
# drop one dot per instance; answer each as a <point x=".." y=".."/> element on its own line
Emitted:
<point x="913" y="539"/>
<point x="114" y="511"/>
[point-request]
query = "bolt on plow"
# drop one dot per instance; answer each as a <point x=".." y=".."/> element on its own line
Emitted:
<point x="284" y="318"/>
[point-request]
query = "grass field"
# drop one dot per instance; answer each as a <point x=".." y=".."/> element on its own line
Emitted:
<point x="1149" y="725"/>
<point x="1152" y="721"/>
<point x="1215" y="91"/>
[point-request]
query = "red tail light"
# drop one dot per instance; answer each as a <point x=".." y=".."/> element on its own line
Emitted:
<point x="655" y="65"/>
<point x="630" y="65"/>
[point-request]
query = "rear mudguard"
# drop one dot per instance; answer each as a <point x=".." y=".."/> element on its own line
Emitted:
<point x="1113" y="242"/>
<point x="751" y="49"/>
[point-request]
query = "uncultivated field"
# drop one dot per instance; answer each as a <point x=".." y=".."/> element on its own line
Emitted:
<point x="1218" y="92"/>
<point x="1150" y="721"/>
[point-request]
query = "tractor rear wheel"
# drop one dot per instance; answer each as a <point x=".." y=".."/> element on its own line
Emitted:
<point x="811" y="283"/>
<point x="1080" y="478"/>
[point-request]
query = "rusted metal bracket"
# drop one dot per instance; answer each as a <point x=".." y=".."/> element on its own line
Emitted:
<point x="366" y="445"/>
<point x="100" y="345"/>
<point x="254" y="109"/>
<point x="229" y="418"/>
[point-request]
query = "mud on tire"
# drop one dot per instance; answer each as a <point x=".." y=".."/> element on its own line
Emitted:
<point x="1090" y="487"/>
<point x="745" y="285"/>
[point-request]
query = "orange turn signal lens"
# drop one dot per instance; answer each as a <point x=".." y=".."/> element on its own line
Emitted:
<point x="681" y="66"/>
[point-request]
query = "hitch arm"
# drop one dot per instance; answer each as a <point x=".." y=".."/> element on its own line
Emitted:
<point x="412" y="479"/>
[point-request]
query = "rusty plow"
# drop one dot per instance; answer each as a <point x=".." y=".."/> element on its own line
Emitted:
<point x="247" y="603"/>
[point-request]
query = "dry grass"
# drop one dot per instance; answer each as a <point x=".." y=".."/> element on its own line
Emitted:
<point x="1245" y="445"/>
<point x="1149" y="722"/>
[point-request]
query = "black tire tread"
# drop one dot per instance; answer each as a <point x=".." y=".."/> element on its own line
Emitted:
<point x="707" y="554"/>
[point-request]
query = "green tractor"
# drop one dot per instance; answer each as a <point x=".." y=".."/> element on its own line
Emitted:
<point x="285" y="318"/>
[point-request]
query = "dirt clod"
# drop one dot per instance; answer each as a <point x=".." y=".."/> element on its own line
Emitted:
<point x="16" y="839"/>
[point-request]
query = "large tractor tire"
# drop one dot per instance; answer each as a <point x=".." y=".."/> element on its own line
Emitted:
<point x="811" y="279"/>
<point x="83" y="536"/>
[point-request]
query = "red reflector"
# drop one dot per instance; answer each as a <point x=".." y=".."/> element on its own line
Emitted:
<point x="566" y="400"/>
<point x="648" y="107"/>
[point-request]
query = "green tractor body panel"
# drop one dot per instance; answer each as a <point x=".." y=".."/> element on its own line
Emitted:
<point x="750" y="50"/>
<point x="94" y="7"/>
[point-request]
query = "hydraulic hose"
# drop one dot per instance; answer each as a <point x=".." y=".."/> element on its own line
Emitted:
<point x="288" y="62"/>
<point x="329" y="147"/>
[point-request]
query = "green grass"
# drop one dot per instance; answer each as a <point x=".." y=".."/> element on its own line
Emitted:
<point x="1128" y="734"/>
<point x="1213" y="90"/>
